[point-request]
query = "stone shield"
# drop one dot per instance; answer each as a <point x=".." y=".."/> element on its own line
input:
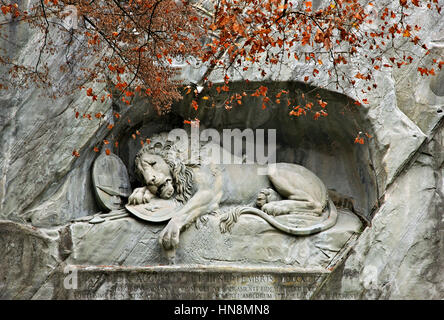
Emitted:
<point x="111" y="182"/>
<point x="158" y="210"/>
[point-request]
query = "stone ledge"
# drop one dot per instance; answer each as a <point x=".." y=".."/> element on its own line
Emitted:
<point x="251" y="243"/>
<point x="181" y="282"/>
<point x="192" y="268"/>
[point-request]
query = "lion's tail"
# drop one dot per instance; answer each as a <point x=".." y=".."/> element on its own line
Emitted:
<point x="230" y="218"/>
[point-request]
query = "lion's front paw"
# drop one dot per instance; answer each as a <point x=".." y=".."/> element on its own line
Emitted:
<point x="135" y="198"/>
<point x="265" y="196"/>
<point x="139" y="196"/>
<point x="147" y="196"/>
<point x="169" y="237"/>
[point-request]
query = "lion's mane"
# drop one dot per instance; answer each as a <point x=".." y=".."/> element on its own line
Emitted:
<point x="181" y="173"/>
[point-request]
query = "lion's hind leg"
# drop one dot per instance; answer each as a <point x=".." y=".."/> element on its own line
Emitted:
<point x="277" y="208"/>
<point x="299" y="184"/>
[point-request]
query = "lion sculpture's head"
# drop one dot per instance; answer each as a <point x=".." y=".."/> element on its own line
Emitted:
<point x="159" y="167"/>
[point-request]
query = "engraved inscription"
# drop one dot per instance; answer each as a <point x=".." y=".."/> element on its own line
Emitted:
<point x="192" y="284"/>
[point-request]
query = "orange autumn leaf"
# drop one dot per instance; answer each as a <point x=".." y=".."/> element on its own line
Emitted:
<point x="6" y="9"/>
<point x="317" y="115"/>
<point x="323" y="104"/>
<point x="359" y="140"/>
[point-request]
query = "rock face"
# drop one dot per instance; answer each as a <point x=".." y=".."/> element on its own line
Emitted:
<point x="28" y="257"/>
<point x="395" y="181"/>
<point x="401" y="255"/>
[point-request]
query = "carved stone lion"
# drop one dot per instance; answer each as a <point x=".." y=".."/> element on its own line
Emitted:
<point x="286" y="189"/>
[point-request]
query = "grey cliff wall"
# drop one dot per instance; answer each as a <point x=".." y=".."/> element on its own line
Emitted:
<point x="395" y="179"/>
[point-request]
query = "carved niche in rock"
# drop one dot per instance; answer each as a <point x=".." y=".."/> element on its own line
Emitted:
<point x="289" y="197"/>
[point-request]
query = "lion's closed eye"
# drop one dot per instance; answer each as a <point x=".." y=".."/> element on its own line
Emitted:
<point x="149" y="163"/>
